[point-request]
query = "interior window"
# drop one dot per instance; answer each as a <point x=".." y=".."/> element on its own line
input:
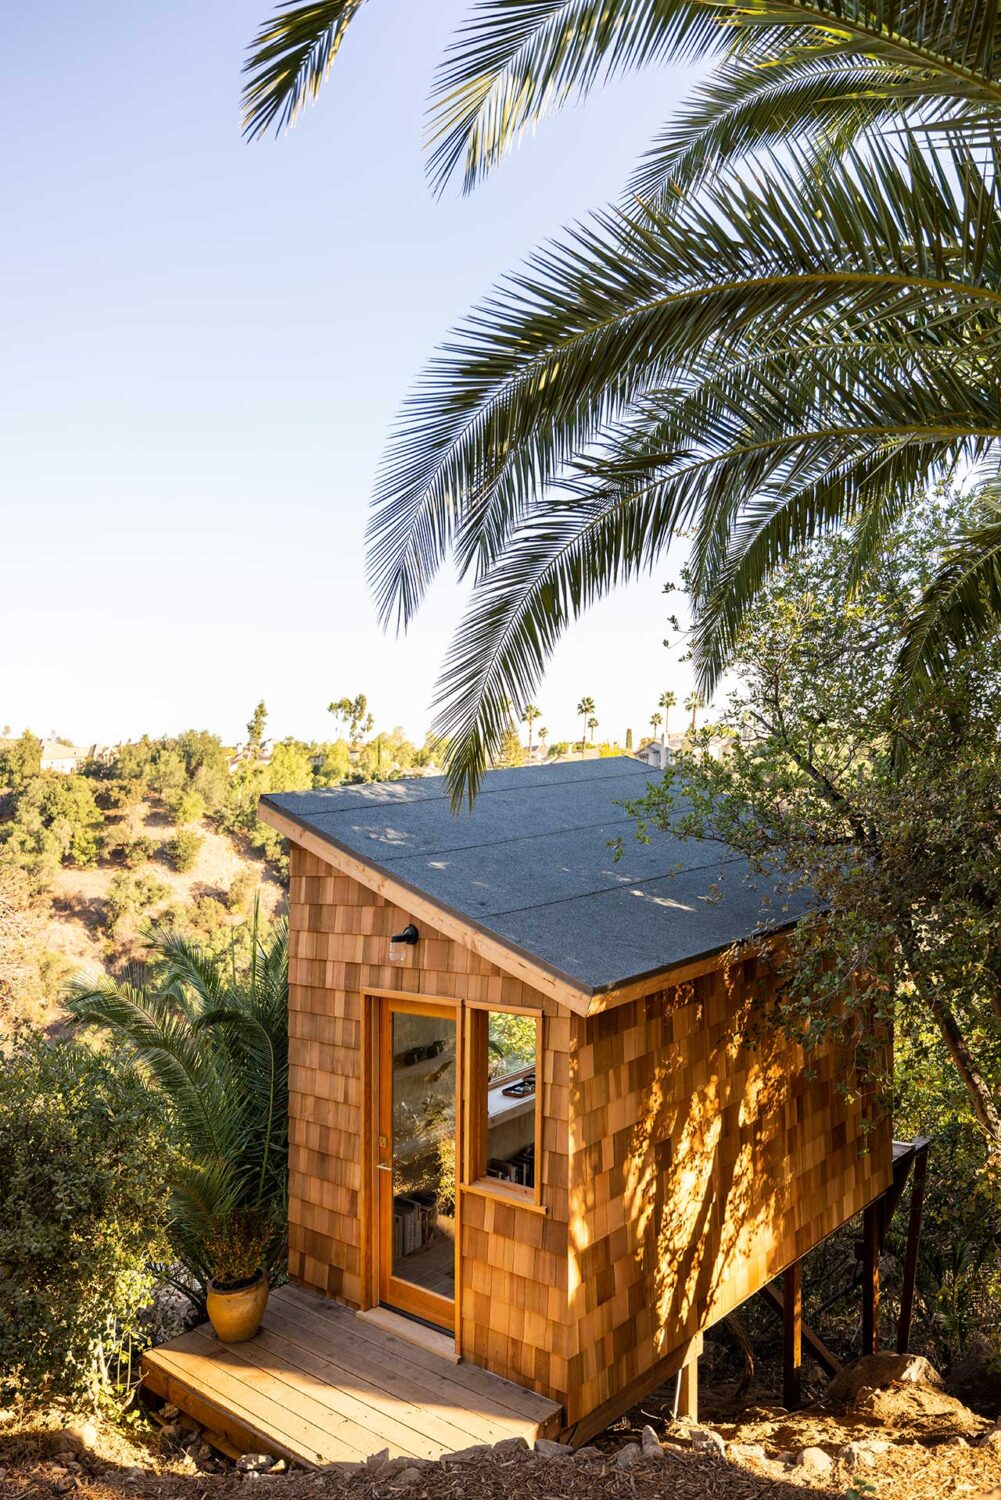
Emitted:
<point x="505" y="1054"/>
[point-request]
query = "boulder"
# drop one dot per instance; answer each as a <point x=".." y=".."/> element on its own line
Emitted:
<point x="629" y="1456"/>
<point x="510" y="1445"/>
<point x="254" y="1463"/>
<point x="547" y="1448"/>
<point x="650" y="1443"/>
<point x="875" y="1371"/>
<point x="704" y="1440"/>
<point x="814" y="1460"/>
<point x="407" y="1478"/>
<point x="472" y="1455"/>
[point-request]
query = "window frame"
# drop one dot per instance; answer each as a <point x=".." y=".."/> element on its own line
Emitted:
<point x="477" y="1088"/>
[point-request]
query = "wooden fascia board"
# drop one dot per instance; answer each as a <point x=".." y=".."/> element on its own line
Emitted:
<point x="460" y="929"/>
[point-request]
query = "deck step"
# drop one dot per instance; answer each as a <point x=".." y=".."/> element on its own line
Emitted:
<point x="434" y="1340"/>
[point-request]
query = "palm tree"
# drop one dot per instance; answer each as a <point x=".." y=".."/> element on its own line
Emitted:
<point x="543" y="737"/>
<point x="585" y="708"/>
<point x="592" y="725"/>
<point x="656" y="720"/>
<point x="751" y="357"/>
<point x="666" y="701"/>
<point x="693" y="703"/>
<point x="212" y="1037"/>
<point x="529" y="717"/>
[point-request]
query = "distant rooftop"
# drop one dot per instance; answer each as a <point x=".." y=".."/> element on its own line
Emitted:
<point x="532" y="867"/>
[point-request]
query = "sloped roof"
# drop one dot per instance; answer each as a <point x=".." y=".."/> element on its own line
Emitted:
<point x="531" y="867"/>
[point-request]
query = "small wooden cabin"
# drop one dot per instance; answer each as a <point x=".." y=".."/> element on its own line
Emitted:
<point x="536" y="1101"/>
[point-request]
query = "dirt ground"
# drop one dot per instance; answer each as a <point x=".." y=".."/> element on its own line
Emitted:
<point x="923" y="1445"/>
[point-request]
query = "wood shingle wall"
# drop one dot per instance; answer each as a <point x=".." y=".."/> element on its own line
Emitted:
<point x="513" y="1297"/>
<point x="700" y="1168"/>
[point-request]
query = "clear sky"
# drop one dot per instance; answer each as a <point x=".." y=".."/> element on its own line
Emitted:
<point x="203" y="344"/>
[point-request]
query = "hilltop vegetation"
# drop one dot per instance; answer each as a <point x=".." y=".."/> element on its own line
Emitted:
<point x="162" y="830"/>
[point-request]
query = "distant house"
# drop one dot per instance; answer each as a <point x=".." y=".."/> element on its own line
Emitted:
<point x="59" y="757"/>
<point x="654" y="753"/>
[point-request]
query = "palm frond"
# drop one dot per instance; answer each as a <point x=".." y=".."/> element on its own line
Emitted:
<point x="289" y="61"/>
<point x="963" y="603"/>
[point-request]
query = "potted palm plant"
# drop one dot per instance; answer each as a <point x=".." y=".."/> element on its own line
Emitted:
<point x="211" y="1035"/>
<point x="238" y="1247"/>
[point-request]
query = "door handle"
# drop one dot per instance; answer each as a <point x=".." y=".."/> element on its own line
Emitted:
<point x="383" y="1166"/>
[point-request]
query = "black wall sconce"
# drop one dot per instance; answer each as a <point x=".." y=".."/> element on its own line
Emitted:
<point x="400" y="942"/>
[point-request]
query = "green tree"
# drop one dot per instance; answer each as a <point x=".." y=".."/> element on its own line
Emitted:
<point x="353" y="714"/>
<point x="637" y="361"/>
<point x="629" y="739"/>
<point x="187" y="806"/>
<point x="82" y="1221"/>
<point x="20" y="761"/>
<point x="656" y="720"/>
<point x="529" y="717"/>
<point x="543" y="737"/>
<point x="510" y="752"/>
<point x="885" y="806"/>
<point x="212" y="1035"/>
<point x="184" y="848"/>
<point x="56" y="820"/>
<point x="255" y="729"/>
<point x="333" y="763"/>
<point x="592" y="725"/>
<point x="666" y="701"/>
<point x="585" y="708"/>
<point x="693" y="703"/>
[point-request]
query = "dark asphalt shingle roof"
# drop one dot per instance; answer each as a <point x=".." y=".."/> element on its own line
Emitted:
<point x="532" y="866"/>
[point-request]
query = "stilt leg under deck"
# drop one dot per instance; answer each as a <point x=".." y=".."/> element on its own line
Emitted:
<point x="792" y="1336"/>
<point x="688" y="1391"/>
<point x="870" y="1279"/>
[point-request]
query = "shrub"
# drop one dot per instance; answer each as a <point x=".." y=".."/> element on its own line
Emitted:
<point x="187" y="806"/>
<point x="131" y="896"/>
<point x="82" y="1163"/>
<point x="183" y="849"/>
<point x="241" y="890"/>
<point x="136" y="852"/>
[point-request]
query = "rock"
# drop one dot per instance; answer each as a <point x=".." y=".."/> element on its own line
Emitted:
<point x="472" y="1455"/>
<point x="512" y="1445"/>
<point x="746" y="1450"/>
<point x="856" y="1456"/>
<point x="169" y="1411"/>
<point x="650" y="1443"/>
<point x="279" y="1467"/>
<point x="588" y="1452"/>
<point x="704" y="1440"/>
<point x="992" y="1437"/>
<point x="547" y="1448"/>
<point x="814" y="1460"/>
<point x="629" y="1456"/>
<point x="407" y="1478"/>
<point x="391" y="1466"/>
<point x="376" y="1460"/>
<point x="254" y="1463"/>
<point x="875" y="1371"/>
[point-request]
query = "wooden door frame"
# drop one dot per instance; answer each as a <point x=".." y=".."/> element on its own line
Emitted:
<point x="371" y="1248"/>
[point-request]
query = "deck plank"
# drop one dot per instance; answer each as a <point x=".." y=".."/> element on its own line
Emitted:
<point x="501" y="1393"/>
<point x="321" y="1386"/>
<point x="347" y="1391"/>
<point x="480" y="1419"/>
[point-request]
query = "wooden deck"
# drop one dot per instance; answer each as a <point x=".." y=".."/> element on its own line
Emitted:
<point x="320" y="1386"/>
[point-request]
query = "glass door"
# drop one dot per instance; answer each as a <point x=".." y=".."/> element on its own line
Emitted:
<point x="416" y="1159"/>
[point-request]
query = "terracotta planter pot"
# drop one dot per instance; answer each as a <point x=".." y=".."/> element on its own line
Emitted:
<point x="236" y="1315"/>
